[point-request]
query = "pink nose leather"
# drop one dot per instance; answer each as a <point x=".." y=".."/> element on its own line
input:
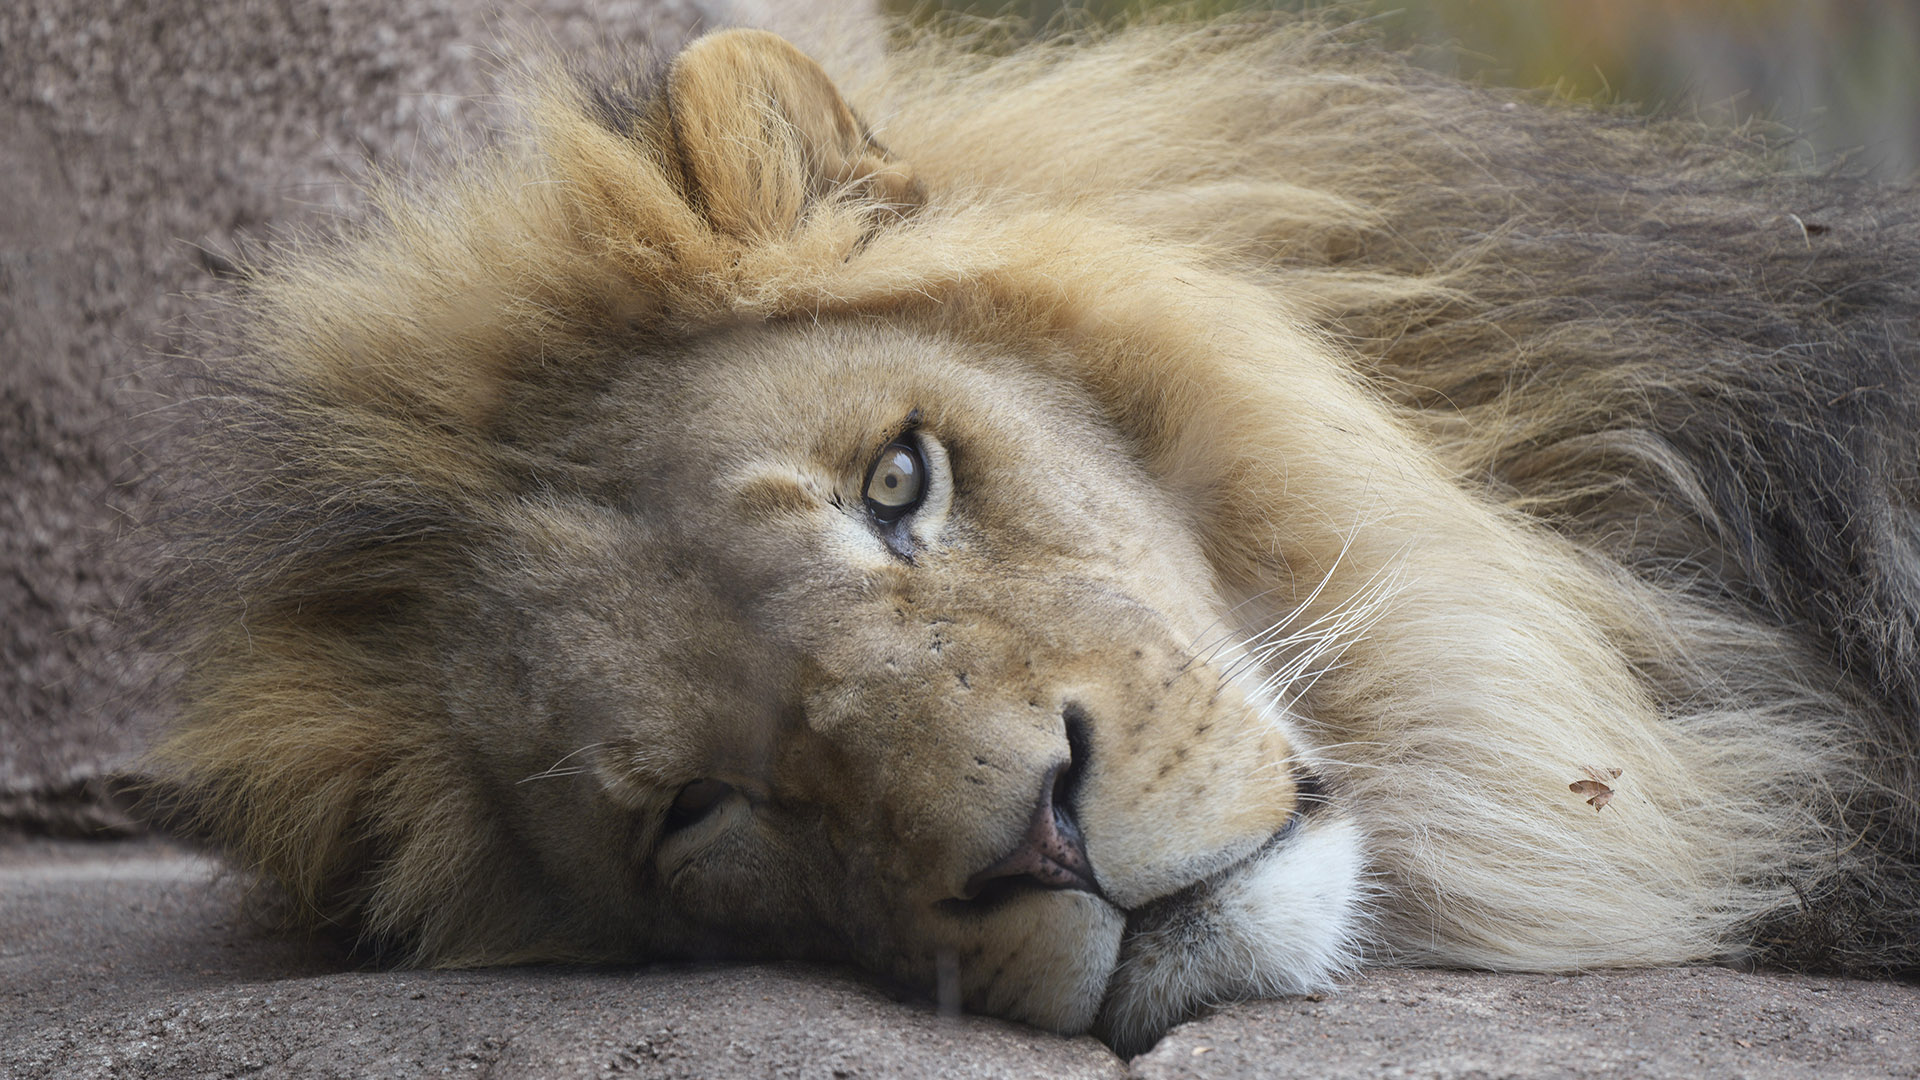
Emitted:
<point x="1052" y="854"/>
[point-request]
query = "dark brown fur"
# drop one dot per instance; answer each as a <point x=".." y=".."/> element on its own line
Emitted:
<point x="1723" y="354"/>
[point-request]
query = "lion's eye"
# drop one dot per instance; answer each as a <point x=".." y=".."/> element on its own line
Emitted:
<point x="696" y="801"/>
<point x="896" y="482"/>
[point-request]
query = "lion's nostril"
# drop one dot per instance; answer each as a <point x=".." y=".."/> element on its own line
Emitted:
<point x="1052" y="854"/>
<point x="1066" y="788"/>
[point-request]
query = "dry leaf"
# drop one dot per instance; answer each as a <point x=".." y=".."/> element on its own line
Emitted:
<point x="1597" y="793"/>
<point x="1597" y="790"/>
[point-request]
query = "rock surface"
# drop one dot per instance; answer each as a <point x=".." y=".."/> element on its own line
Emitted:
<point x="1673" y="1023"/>
<point x="130" y="960"/>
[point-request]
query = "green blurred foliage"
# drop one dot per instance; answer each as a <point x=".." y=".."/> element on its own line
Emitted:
<point x="1846" y="73"/>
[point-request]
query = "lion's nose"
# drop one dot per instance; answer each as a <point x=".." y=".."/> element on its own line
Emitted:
<point x="1052" y="855"/>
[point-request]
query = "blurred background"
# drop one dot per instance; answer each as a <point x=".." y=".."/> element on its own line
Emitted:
<point x="1844" y="73"/>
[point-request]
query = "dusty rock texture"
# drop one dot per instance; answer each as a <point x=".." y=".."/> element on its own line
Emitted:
<point x="1688" y="1022"/>
<point x="141" y="140"/>
<point x="133" y="960"/>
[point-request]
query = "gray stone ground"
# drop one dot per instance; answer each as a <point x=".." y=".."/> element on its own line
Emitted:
<point x="133" y="960"/>
<point x="1692" y="1022"/>
<point x="136" y="133"/>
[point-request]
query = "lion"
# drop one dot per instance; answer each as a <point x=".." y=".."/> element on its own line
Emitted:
<point x="1098" y="526"/>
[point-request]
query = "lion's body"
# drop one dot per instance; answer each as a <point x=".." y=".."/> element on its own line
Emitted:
<point x="1506" y="444"/>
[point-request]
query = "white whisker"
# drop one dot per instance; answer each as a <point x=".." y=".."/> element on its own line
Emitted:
<point x="556" y="771"/>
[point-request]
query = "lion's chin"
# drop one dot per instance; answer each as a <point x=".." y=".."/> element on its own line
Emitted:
<point x="1285" y="920"/>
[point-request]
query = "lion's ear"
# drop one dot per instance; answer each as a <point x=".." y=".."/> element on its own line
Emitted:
<point x="760" y="131"/>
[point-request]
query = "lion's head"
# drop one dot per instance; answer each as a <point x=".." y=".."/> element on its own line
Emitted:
<point x="714" y="530"/>
<point x="787" y="632"/>
<point x="872" y="642"/>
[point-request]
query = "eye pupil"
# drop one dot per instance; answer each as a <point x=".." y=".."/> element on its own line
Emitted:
<point x="895" y="483"/>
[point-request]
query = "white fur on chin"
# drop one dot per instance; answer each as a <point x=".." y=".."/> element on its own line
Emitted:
<point x="1286" y="922"/>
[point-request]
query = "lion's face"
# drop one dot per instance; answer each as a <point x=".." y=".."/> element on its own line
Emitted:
<point x="870" y="641"/>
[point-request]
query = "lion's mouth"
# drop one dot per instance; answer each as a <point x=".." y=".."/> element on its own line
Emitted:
<point x="1276" y="920"/>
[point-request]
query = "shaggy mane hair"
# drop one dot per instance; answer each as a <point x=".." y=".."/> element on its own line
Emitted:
<point x="1626" y="408"/>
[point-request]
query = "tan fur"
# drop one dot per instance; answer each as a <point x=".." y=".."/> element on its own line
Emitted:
<point x="1141" y="242"/>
